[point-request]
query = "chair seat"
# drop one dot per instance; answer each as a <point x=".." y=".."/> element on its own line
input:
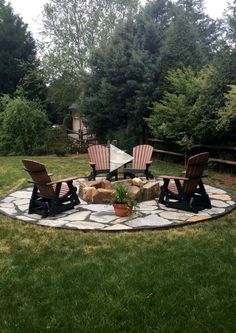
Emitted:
<point x="63" y="190"/>
<point x="173" y="188"/>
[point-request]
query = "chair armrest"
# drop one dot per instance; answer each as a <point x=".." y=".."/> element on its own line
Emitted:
<point x="174" y="177"/>
<point x="64" y="180"/>
<point x="149" y="162"/>
<point x="50" y="174"/>
<point x="92" y="163"/>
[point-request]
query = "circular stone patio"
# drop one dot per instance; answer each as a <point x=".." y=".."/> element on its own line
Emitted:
<point x="100" y="217"/>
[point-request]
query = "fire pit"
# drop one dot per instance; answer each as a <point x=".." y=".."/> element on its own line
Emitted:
<point x="101" y="191"/>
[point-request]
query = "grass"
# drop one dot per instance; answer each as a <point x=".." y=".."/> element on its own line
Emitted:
<point x="180" y="280"/>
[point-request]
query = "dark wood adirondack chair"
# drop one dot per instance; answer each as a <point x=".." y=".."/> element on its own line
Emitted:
<point x="99" y="161"/>
<point x="188" y="192"/>
<point x="49" y="197"/>
<point x="142" y="155"/>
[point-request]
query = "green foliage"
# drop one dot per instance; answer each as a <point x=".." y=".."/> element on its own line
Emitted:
<point x="74" y="28"/>
<point x="24" y="127"/>
<point x="79" y="148"/>
<point x="183" y="45"/>
<point x="230" y="15"/>
<point x="17" y="51"/>
<point x="130" y="73"/>
<point x="121" y="85"/>
<point x="62" y="92"/>
<point x="67" y="122"/>
<point x="32" y="86"/>
<point x="191" y="107"/>
<point x="121" y="194"/>
<point x="126" y="137"/>
<point x="171" y="118"/>
<point x="227" y="120"/>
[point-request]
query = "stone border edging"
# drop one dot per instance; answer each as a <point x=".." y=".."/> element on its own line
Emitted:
<point x="149" y="215"/>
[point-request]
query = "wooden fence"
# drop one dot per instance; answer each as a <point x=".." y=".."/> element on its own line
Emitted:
<point x="218" y="149"/>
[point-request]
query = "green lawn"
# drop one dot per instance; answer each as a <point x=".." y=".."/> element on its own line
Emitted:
<point x="180" y="280"/>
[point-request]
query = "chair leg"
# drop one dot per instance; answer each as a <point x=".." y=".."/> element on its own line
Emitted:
<point x="162" y="196"/>
<point x="164" y="192"/>
<point x="112" y="174"/>
<point x="74" y="197"/>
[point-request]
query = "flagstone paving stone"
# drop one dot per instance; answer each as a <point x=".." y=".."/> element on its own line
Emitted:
<point x="101" y="217"/>
<point x="197" y="218"/>
<point x="148" y="221"/>
<point x="79" y="216"/>
<point x="218" y="203"/>
<point x="220" y="196"/>
<point x="118" y="227"/>
<point x="175" y="216"/>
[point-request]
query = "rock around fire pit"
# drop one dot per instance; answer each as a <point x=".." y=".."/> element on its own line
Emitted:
<point x="101" y="191"/>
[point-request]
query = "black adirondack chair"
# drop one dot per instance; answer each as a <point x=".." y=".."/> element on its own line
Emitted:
<point x="188" y="192"/>
<point x="49" y="197"/>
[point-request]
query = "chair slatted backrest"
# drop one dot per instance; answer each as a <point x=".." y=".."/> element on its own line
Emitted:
<point x="99" y="155"/>
<point x="39" y="175"/>
<point x="195" y="168"/>
<point x="141" y="154"/>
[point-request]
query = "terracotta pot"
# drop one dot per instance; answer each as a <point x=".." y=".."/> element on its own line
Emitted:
<point x="122" y="210"/>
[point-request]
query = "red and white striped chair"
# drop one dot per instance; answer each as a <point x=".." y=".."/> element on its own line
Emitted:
<point x="99" y="161"/>
<point x="188" y="192"/>
<point x="49" y="197"/>
<point x="142" y="155"/>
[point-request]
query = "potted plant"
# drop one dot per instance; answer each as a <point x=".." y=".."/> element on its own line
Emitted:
<point x="122" y="204"/>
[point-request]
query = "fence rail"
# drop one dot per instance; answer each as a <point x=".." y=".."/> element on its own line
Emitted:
<point x="215" y="147"/>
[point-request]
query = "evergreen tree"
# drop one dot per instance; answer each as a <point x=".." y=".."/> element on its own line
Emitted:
<point x="124" y="75"/>
<point x="17" y="49"/>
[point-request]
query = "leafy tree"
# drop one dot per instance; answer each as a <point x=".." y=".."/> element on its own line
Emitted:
<point x="172" y="117"/>
<point x="191" y="107"/>
<point x="191" y="39"/>
<point x="227" y="120"/>
<point x="62" y="92"/>
<point x="230" y="15"/>
<point x="24" y="127"/>
<point x="228" y="54"/>
<point x="73" y="28"/>
<point x="32" y="86"/>
<point x="130" y="72"/>
<point x="17" y="49"/>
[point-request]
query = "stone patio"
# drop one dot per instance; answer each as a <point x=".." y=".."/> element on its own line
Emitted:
<point x="101" y="217"/>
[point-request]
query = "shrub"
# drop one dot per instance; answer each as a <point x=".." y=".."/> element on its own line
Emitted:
<point x="24" y="127"/>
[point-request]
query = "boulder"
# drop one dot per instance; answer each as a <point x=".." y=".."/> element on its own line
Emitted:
<point x="150" y="190"/>
<point x="88" y="193"/>
<point x="138" y="182"/>
<point x="126" y="182"/>
<point x="135" y="193"/>
<point x="102" y="195"/>
<point x="106" y="184"/>
<point x="95" y="183"/>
